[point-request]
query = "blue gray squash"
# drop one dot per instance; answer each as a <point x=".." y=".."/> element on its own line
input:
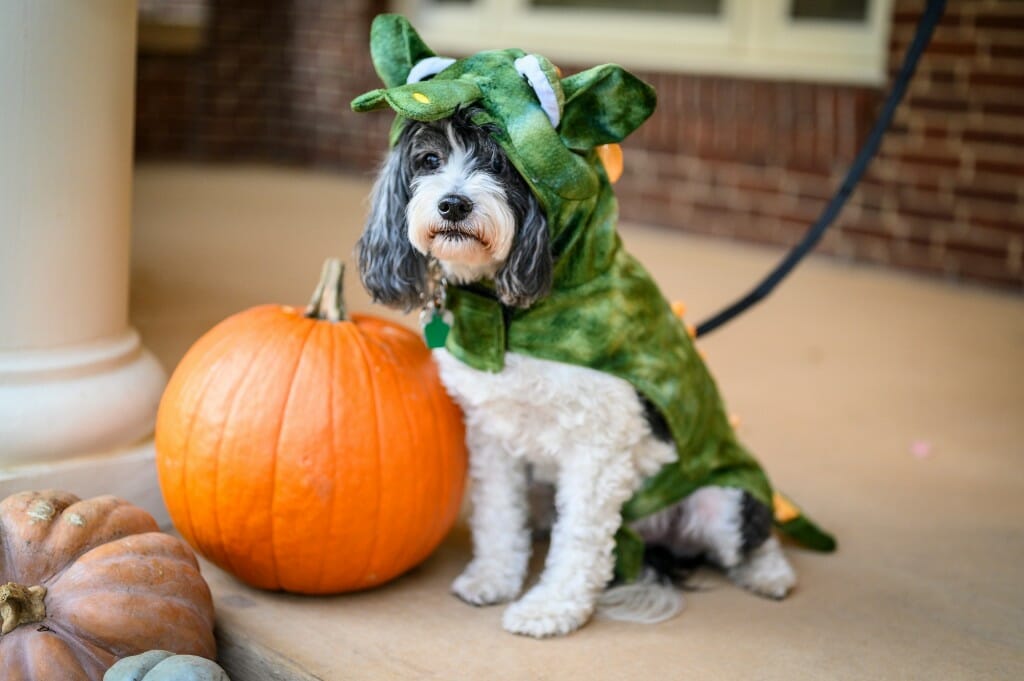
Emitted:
<point x="160" y="665"/>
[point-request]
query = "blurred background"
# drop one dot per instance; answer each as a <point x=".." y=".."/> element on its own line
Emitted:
<point x="167" y="164"/>
<point x="762" y="106"/>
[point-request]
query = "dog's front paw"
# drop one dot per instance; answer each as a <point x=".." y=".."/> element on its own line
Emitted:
<point x="480" y="584"/>
<point x="543" y="612"/>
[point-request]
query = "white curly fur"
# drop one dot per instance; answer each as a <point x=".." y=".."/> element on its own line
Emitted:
<point x="585" y="431"/>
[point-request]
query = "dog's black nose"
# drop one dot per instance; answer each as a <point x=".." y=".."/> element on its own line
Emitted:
<point x="454" y="207"/>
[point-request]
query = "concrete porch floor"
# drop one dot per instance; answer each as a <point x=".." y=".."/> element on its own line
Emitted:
<point x="835" y="378"/>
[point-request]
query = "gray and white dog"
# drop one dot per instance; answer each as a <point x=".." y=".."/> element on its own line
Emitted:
<point x="447" y="191"/>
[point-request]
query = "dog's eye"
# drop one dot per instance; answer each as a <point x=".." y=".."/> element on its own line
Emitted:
<point x="428" y="162"/>
<point x="497" y="164"/>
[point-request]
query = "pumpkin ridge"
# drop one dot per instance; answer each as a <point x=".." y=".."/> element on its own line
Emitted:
<point x="105" y="521"/>
<point x="208" y="379"/>
<point x="152" y="555"/>
<point x="245" y="376"/>
<point x="81" y="594"/>
<point x="163" y="554"/>
<point x="217" y="344"/>
<point x="444" y="464"/>
<point x="396" y="366"/>
<point x="207" y="382"/>
<point x="334" y="459"/>
<point x="36" y="653"/>
<point x="49" y="495"/>
<point x="92" y="646"/>
<point x="277" y="446"/>
<point x="81" y="647"/>
<point x="429" y="538"/>
<point x="160" y="552"/>
<point x="28" y="661"/>
<point x="372" y="382"/>
<point x="383" y="348"/>
<point x="31" y="659"/>
<point x="52" y="579"/>
<point x="455" y="458"/>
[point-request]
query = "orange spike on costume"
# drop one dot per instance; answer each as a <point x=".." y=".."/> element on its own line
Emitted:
<point x="679" y="308"/>
<point x="785" y="510"/>
<point x="611" y="157"/>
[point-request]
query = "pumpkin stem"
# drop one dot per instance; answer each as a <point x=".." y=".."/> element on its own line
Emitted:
<point x="327" y="301"/>
<point x="21" y="605"/>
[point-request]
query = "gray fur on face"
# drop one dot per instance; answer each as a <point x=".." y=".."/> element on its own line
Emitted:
<point x="394" y="272"/>
<point x="526" y="275"/>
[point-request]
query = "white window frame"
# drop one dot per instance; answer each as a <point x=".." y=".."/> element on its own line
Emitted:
<point x="755" y="38"/>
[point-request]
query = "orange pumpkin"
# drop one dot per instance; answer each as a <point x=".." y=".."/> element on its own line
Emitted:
<point x="88" y="582"/>
<point x="308" y="452"/>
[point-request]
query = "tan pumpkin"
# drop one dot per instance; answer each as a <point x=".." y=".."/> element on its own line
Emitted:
<point x="88" y="582"/>
<point x="309" y="452"/>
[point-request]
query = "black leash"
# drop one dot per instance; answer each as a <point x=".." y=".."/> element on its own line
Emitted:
<point x="923" y="35"/>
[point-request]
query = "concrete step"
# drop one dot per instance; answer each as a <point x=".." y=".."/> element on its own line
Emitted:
<point x="413" y="628"/>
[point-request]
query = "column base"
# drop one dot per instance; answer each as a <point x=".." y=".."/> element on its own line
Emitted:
<point x="67" y="402"/>
<point x="80" y="419"/>
<point x="128" y="473"/>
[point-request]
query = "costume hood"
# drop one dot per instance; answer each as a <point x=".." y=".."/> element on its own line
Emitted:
<point x="549" y="126"/>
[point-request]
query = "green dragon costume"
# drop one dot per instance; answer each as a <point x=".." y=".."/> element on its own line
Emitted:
<point x="604" y="311"/>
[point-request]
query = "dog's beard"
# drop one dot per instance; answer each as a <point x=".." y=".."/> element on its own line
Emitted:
<point x="475" y="246"/>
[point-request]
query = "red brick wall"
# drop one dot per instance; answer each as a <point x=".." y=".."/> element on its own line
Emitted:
<point x="272" y="82"/>
<point x="739" y="158"/>
<point x="950" y="178"/>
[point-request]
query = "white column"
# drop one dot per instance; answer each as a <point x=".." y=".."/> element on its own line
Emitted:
<point x="78" y="392"/>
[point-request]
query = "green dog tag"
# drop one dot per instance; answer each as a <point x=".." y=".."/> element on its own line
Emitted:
<point x="436" y="330"/>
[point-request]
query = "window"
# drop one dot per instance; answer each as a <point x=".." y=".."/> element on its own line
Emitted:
<point x="836" y="10"/>
<point x="708" y="7"/>
<point x="823" y="40"/>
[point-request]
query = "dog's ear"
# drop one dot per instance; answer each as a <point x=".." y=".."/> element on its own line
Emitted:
<point x="392" y="271"/>
<point x="602" y="106"/>
<point x="527" y="273"/>
<point x="395" y="48"/>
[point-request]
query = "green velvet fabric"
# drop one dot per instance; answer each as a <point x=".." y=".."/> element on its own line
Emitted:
<point x="604" y="311"/>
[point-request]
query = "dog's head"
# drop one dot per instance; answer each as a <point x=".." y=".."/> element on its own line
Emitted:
<point x="449" y="191"/>
<point x="487" y="153"/>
